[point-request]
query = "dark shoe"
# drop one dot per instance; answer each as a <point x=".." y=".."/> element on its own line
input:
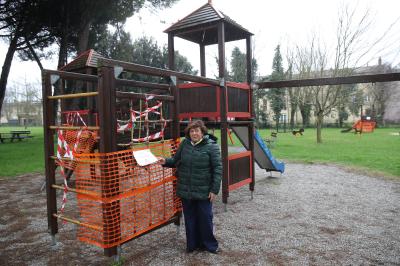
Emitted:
<point x="202" y="248"/>
<point x="214" y="251"/>
<point x="189" y="250"/>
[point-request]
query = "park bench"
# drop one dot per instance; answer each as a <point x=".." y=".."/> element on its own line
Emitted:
<point x="4" y="136"/>
<point x="15" y="135"/>
<point x="271" y="141"/>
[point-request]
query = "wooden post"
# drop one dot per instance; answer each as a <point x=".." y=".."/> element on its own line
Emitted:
<point x="251" y="124"/>
<point x="175" y="105"/>
<point x="62" y="84"/>
<point x="174" y="88"/>
<point x="108" y="143"/>
<point x="202" y="60"/>
<point x="249" y="60"/>
<point x="91" y="119"/>
<point x="48" y="119"/>
<point x="223" y="112"/>
<point x="175" y="108"/>
<point x="171" y="52"/>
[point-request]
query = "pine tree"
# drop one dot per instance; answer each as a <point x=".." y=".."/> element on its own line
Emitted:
<point x="238" y="66"/>
<point x="277" y="95"/>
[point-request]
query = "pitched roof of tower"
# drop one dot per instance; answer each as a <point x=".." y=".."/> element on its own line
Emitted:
<point x="88" y="58"/>
<point x="200" y="26"/>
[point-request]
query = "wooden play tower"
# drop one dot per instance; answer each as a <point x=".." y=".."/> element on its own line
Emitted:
<point x="208" y="26"/>
<point x="98" y="115"/>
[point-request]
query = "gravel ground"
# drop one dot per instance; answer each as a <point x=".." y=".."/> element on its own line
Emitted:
<point x="313" y="214"/>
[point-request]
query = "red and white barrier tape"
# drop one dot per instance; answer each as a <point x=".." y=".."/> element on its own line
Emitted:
<point x="71" y="117"/>
<point x="62" y="144"/>
<point x="152" y="136"/>
<point x="137" y="114"/>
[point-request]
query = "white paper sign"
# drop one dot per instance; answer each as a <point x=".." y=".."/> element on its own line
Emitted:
<point x="144" y="157"/>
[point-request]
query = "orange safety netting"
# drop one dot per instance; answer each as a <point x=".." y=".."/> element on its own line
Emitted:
<point x="119" y="199"/>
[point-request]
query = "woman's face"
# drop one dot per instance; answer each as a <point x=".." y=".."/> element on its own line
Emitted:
<point x="195" y="134"/>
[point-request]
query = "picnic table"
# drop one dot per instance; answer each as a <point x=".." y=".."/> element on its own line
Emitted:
<point x="15" y="135"/>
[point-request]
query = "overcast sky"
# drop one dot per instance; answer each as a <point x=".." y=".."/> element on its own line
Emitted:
<point x="284" y="22"/>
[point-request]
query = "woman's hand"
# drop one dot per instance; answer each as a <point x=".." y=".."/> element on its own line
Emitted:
<point x="161" y="160"/>
<point x="211" y="196"/>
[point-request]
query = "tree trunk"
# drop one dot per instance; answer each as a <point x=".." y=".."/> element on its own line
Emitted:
<point x="305" y="116"/>
<point x="62" y="54"/>
<point x="320" y="120"/>
<point x="6" y="69"/>
<point x="34" y="54"/>
<point x="83" y="38"/>
<point x="292" y="114"/>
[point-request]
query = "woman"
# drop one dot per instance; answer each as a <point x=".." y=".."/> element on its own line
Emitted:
<point x="199" y="177"/>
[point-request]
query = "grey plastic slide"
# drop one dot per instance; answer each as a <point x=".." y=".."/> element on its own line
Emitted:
<point x="262" y="154"/>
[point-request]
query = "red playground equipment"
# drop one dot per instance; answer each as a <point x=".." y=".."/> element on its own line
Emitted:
<point x="364" y="125"/>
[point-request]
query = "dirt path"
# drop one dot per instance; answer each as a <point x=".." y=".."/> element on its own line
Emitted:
<point x="314" y="214"/>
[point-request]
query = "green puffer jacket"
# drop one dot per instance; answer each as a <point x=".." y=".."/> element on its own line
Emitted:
<point x="199" y="168"/>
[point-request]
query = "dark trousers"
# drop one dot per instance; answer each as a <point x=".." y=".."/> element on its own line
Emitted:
<point x="199" y="226"/>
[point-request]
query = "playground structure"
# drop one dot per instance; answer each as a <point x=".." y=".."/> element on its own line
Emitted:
<point x="364" y="125"/>
<point x="101" y="116"/>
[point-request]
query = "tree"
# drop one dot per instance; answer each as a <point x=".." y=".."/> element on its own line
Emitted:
<point x="392" y="107"/>
<point x="315" y="61"/>
<point x="21" y="26"/>
<point x="144" y="51"/>
<point x="276" y="95"/>
<point x="31" y="26"/>
<point x="22" y="100"/>
<point x="293" y="93"/>
<point x="380" y="94"/>
<point x="344" y="101"/>
<point x="72" y="22"/>
<point x="238" y="66"/>
<point x="357" y="100"/>
<point x="238" y="73"/>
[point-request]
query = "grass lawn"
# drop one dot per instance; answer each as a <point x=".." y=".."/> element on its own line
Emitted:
<point x="378" y="151"/>
<point x="21" y="157"/>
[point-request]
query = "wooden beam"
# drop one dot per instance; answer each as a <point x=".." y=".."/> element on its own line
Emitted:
<point x="386" y="77"/>
<point x="221" y="50"/>
<point x="171" y="51"/>
<point x="153" y="71"/>
<point x="251" y="124"/>
<point x="73" y="128"/>
<point x="71" y="75"/>
<point x="142" y="84"/>
<point x="108" y="143"/>
<point x="121" y="94"/>
<point x="175" y="109"/>
<point x="48" y="119"/>
<point x="77" y="222"/>
<point x="223" y="112"/>
<point x="73" y="95"/>
<point x="202" y="60"/>
<point x="249" y="60"/>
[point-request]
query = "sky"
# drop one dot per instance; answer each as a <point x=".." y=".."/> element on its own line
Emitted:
<point x="284" y="22"/>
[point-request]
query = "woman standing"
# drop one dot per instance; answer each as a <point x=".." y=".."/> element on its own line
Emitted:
<point x="199" y="177"/>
